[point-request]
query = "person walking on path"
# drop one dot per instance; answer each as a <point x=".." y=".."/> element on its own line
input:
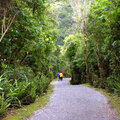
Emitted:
<point x="58" y="74"/>
<point x="61" y="75"/>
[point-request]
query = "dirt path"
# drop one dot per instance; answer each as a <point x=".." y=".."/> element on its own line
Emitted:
<point x="76" y="102"/>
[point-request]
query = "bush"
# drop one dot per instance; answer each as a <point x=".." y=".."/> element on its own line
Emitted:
<point x="3" y="104"/>
<point x="42" y="83"/>
<point x="21" y="90"/>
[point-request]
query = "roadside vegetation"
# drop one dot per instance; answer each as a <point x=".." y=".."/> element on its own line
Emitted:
<point x="27" y="47"/>
<point x="26" y="111"/>
<point x="94" y="50"/>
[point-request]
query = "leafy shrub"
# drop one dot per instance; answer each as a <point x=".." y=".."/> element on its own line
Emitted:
<point x="19" y="73"/>
<point x="101" y="56"/>
<point x="41" y="84"/>
<point x="3" y="104"/>
<point x="20" y="91"/>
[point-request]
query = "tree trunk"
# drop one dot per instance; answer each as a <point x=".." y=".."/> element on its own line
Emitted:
<point x="85" y="55"/>
<point x="101" y="71"/>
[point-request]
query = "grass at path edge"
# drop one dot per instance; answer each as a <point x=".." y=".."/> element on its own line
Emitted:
<point x="26" y="111"/>
<point x="113" y="100"/>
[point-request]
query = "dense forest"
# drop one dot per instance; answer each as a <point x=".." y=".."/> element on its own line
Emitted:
<point x="94" y="51"/>
<point x="27" y="48"/>
<point x="38" y="38"/>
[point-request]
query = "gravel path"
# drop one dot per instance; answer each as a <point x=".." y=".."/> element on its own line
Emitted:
<point x="76" y="102"/>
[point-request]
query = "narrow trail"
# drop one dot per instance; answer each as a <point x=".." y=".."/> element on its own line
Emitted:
<point x="76" y="102"/>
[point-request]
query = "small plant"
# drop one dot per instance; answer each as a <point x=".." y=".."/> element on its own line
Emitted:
<point x="3" y="104"/>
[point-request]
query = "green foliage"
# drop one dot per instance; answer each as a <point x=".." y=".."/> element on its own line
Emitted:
<point x="3" y="104"/>
<point x="26" y="53"/>
<point x="64" y="21"/>
<point x="23" y="91"/>
<point x="30" y="56"/>
<point x="102" y="48"/>
<point x="59" y="62"/>
<point x="74" y="52"/>
<point x="103" y="29"/>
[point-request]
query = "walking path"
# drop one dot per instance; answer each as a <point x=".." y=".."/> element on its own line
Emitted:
<point x="76" y="102"/>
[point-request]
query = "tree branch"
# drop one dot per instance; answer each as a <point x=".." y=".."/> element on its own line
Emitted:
<point x="8" y="26"/>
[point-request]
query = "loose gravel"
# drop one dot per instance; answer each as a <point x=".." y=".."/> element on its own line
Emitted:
<point x="75" y="102"/>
